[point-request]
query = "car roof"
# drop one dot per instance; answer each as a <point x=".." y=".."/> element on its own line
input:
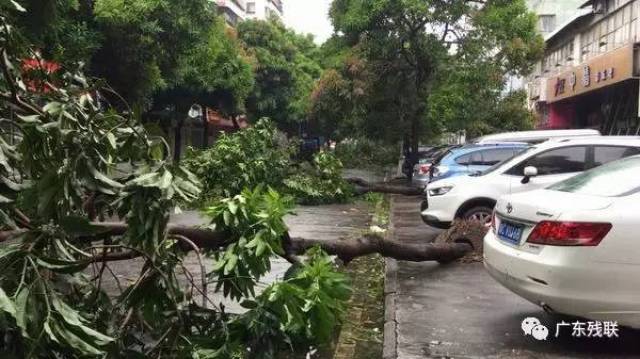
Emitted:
<point x="481" y="147"/>
<point x="593" y="140"/>
<point x="535" y="136"/>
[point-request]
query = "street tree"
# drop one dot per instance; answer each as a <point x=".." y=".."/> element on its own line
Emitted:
<point x="69" y="164"/>
<point x="410" y="46"/>
<point x="286" y="69"/>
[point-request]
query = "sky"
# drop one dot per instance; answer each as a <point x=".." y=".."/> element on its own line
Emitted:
<point x="309" y="16"/>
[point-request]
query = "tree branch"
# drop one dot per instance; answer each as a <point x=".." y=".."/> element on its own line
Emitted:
<point x="363" y="186"/>
<point x="347" y="250"/>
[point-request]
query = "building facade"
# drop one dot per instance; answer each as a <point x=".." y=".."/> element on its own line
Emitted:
<point x="553" y="13"/>
<point x="588" y="77"/>
<point x="235" y="11"/>
<point x="264" y="9"/>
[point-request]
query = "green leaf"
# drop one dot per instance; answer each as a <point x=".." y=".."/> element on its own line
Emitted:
<point x="6" y="305"/>
<point x="231" y="264"/>
<point x="30" y="119"/>
<point x="112" y="140"/>
<point x="21" y="310"/>
<point x="62" y="266"/>
<point x="18" y="6"/>
<point x="103" y="178"/>
<point x="72" y="339"/>
<point x="249" y="304"/>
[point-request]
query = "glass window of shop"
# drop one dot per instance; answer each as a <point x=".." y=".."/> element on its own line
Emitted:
<point x="617" y="29"/>
<point x="559" y="57"/>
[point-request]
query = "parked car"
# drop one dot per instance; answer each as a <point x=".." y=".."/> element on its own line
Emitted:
<point x="573" y="248"/>
<point x="474" y="196"/>
<point x="421" y="171"/>
<point x="533" y="137"/>
<point x="472" y="158"/>
<point x="424" y="152"/>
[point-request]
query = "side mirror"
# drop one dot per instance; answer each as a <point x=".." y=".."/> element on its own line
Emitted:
<point x="529" y="172"/>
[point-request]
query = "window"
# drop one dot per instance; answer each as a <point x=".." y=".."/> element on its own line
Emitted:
<point x="606" y="154"/>
<point x="251" y="8"/>
<point x="547" y="23"/>
<point x="464" y="160"/>
<point x="495" y="156"/>
<point x="611" y="180"/>
<point x="557" y="161"/>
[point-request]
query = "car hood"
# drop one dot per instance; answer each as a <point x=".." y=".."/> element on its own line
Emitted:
<point x="547" y="204"/>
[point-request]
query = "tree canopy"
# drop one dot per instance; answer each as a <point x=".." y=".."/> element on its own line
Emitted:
<point x="416" y="60"/>
<point x="286" y="69"/>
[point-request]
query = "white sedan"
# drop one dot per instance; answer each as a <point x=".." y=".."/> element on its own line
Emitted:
<point x="573" y="248"/>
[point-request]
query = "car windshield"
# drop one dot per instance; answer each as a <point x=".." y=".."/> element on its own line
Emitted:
<point x="499" y="164"/>
<point x="615" y="179"/>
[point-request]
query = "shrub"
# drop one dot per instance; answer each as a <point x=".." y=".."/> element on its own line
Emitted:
<point x="319" y="182"/>
<point x="254" y="156"/>
<point x="358" y="153"/>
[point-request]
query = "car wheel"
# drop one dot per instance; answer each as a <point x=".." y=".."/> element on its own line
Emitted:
<point x="424" y="205"/>
<point x="480" y="213"/>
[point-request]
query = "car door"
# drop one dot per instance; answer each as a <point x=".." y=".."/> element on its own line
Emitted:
<point x="553" y="165"/>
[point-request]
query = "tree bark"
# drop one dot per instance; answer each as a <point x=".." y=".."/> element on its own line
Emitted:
<point x="345" y="249"/>
<point x="363" y="186"/>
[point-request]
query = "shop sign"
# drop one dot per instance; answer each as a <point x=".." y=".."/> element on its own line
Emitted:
<point x="586" y="76"/>
<point x="599" y="72"/>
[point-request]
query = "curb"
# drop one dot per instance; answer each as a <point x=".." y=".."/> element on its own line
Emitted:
<point x="390" y="344"/>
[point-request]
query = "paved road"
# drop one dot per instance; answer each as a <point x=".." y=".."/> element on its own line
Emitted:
<point x="459" y="311"/>
<point x="317" y="222"/>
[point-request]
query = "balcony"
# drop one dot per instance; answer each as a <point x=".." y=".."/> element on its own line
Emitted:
<point x="277" y="4"/>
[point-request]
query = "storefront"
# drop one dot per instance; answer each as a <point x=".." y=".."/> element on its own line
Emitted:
<point x="601" y="93"/>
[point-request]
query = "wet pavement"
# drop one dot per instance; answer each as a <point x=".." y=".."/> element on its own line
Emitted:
<point x="316" y="222"/>
<point x="459" y="311"/>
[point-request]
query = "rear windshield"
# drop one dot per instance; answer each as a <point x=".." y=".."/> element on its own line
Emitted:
<point x="615" y="179"/>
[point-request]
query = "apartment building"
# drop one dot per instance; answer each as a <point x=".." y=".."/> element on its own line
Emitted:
<point x="588" y="77"/>
<point x="264" y="9"/>
<point x="553" y="13"/>
<point x="235" y="11"/>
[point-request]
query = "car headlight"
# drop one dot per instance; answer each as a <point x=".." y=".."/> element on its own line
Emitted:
<point x="439" y="191"/>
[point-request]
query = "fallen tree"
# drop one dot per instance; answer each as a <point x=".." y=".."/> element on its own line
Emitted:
<point x="362" y="186"/>
<point x="444" y="250"/>
<point x="59" y="179"/>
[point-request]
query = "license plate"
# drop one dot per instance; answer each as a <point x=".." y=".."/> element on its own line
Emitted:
<point x="510" y="233"/>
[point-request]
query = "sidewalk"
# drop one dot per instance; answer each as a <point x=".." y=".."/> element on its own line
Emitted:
<point x="459" y="311"/>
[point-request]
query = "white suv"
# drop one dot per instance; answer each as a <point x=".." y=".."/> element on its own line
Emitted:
<point x="474" y="196"/>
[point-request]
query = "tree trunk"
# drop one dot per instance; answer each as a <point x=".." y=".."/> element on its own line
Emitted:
<point x="345" y="249"/>
<point x="177" y="152"/>
<point x="205" y="131"/>
<point x="363" y="186"/>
